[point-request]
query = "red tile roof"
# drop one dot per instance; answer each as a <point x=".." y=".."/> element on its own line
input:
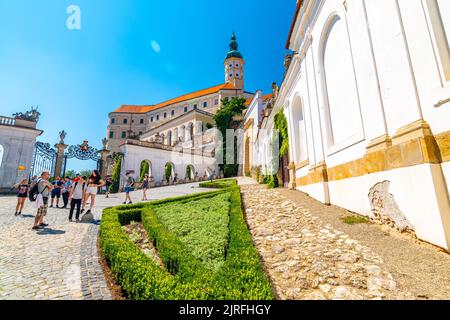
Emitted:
<point x="189" y="96"/>
<point x="265" y="98"/>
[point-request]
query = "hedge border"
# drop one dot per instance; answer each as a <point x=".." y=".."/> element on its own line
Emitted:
<point x="240" y="278"/>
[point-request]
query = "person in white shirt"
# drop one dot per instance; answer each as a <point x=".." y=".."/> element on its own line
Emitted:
<point x="77" y="193"/>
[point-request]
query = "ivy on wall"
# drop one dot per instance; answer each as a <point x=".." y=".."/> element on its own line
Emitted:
<point x="224" y="120"/>
<point x="281" y="125"/>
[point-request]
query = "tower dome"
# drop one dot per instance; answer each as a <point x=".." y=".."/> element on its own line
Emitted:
<point x="234" y="52"/>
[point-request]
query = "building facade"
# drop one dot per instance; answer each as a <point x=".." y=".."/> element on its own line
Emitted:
<point x="17" y="145"/>
<point x="367" y="99"/>
<point x="178" y="131"/>
<point x="130" y="121"/>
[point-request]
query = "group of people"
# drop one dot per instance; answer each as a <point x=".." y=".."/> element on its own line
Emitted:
<point x="78" y="191"/>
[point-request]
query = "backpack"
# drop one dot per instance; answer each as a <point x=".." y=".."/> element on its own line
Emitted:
<point x="34" y="191"/>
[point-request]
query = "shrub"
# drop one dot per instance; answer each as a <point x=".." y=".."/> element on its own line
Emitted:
<point x="240" y="277"/>
<point x="230" y="170"/>
<point x="114" y="188"/>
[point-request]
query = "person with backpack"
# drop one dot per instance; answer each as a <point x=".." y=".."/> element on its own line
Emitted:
<point x="129" y="184"/>
<point x="76" y="196"/>
<point x="39" y="194"/>
<point x="56" y="191"/>
<point x="22" y="195"/>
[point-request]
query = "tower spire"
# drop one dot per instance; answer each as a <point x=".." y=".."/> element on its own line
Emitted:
<point x="234" y="52"/>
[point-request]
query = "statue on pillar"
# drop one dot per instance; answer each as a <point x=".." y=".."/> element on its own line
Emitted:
<point x="62" y="136"/>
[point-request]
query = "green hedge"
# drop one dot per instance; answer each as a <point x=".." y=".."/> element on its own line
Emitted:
<point x="219" y="184"/>
<point x="240" y="278"/>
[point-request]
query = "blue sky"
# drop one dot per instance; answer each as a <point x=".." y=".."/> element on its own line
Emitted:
<point x="77" y="77"/>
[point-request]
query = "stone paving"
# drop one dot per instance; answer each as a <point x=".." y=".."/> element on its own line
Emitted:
<point x="61" y="261"/>
<point x="308" y="260"/>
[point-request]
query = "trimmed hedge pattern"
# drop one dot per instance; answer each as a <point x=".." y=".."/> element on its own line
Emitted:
<point x="241" y="276"/>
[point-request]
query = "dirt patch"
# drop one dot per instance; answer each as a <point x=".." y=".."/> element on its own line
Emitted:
<point x="139" y="236"/>
<point x="115" y="289"/>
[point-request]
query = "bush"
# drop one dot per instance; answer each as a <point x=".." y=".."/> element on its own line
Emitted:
<point x="219" y="184"/>
<point x="114" y="188"/>
<point x="240" y="277"/>
<point x="230" y="170"/>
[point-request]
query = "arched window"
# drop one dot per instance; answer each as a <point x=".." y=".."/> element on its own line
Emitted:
<point x="2" y="151"/>
<point x="299" y="131"/>
<point x="342" y="116"/>
<point x="439" y="11"/>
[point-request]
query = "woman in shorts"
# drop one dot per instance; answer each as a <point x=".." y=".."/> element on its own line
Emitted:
<point x="22" y="195"/>
<point x="94" y="183"/>
<point x="145" y="187"/>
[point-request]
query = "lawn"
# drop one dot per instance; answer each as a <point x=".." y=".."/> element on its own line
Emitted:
<point x="202" y="227"/>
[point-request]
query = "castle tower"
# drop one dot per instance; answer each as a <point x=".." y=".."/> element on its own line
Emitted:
<point x="234" y="65"/>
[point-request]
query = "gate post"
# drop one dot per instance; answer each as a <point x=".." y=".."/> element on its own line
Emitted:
<point x="103" y="159"/>
<point x="60" y="148"/>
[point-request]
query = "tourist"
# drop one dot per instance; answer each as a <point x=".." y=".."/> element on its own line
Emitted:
<point x="94" y="182"/>
<point x="108" y="184"/>
<point x="22" y="195"/>
<point x="129" y="184"/>
<point x="145" y="187"/>
<point x="76" y="197"/>
<point x="66" y="191"/>
<point x="43" y="189"/>
<point x="56" y="191"/>
<point x="211" y="176"/>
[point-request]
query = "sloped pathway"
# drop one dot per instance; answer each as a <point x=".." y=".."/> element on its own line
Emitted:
<point x="309" y="255"/>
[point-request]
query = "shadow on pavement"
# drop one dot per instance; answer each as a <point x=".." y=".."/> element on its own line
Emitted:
<point x="48" y="231"/>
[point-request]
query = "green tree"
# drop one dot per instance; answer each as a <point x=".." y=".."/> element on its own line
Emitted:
<point x="168" y="172"/>
<point x="70" y="173"/>
<point x="114" y="188"/>
<point x="145" y="167"/>
<point x="86" y="173"/>
<point x="188" y="172"/>
<point x="282" y="126"/>
<point x="224" y="121"/>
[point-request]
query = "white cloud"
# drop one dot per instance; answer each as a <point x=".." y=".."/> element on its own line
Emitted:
<point x="155" y="46"/>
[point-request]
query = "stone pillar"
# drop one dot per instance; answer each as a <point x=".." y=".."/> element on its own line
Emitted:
<point x="183" y="133"/>
<point x="188" y="133"/>
<point x="60" y="148"/>
<point x="175" y="136"/>
<point x="104" y="163"/>
<point x="292" y="182"/>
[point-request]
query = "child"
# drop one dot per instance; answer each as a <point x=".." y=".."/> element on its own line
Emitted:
<point x="21" y="195"/>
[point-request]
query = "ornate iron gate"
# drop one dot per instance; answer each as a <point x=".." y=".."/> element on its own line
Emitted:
<point x="82" y="152"/>
<point x="44" y="159"/>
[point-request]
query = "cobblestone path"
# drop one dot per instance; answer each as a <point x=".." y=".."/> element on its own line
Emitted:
<point x="307" y="259"/>
<point x="61" y="261"/>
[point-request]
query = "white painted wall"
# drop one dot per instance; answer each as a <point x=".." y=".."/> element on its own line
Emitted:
<point x="365" y="69"/>
<point x="134" y="155"/>
<point x="17" y="147"/>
